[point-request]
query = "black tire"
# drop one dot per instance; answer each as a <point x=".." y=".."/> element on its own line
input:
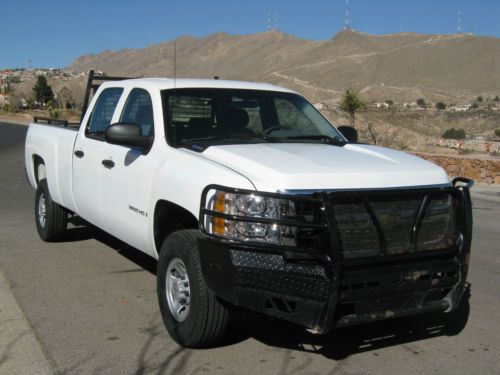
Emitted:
<point x="207" y="319"/>
<point x="56" y="217"/>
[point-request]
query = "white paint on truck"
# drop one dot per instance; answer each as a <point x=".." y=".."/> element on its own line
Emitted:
<point x="111" y="198"/>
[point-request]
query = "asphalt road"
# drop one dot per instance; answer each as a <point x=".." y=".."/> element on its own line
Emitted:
<point x="92" y="303"/>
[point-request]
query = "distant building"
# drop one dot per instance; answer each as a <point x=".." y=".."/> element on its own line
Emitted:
<point x="410" y="105"/>
<point x="379" y="105"/>
<point x="459" y="108"/>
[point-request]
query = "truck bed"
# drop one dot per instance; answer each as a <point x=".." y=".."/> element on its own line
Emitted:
<point x="53" y="143"/>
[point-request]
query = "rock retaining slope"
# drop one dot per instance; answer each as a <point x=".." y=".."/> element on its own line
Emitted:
<point x="483" y="170"/>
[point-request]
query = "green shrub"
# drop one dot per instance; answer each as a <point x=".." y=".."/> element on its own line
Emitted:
<point x="453" y="133"/>
<point x="440" y="106"/>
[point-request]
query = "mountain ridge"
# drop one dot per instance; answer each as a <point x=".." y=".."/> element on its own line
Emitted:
<point x="402" y="66"/>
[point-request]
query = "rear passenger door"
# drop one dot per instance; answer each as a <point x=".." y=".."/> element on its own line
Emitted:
<point x="126" y="187"/>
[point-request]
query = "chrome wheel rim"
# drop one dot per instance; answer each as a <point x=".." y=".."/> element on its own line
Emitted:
<point x="177" y="289"/>
<point x="42" y="211"/>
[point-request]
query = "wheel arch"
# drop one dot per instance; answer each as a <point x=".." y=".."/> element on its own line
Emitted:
<point x="38" y="161"/>
<point x="169" y="217"/>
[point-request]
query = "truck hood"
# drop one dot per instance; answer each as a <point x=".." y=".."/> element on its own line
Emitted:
<point x="308" y="166"/>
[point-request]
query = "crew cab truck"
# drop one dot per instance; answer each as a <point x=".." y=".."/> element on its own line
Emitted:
<point x="248" y="196"/>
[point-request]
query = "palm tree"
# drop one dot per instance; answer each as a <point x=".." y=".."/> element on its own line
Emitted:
<point x="351" y="103"/>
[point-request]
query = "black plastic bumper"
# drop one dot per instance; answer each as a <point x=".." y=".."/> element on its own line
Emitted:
<point x="324" y="293"/>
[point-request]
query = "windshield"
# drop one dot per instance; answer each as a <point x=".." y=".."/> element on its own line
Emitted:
<point x="220" y="116"/>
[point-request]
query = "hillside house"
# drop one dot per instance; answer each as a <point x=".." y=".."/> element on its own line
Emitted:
<point x="377" y="105"/>
<point x="459" y="108"/>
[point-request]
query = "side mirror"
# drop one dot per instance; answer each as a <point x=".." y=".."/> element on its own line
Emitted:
<point x="126" y="135"/>
<point x="350" y="133"/>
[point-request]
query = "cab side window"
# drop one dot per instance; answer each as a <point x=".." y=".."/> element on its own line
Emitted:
<point x="139" y="110"/>
<point x="101" y="116"/>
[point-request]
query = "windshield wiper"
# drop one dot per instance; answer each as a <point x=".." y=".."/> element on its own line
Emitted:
<point x="206" y="142"/>
<point x="323" y="138"/>
<point x="226" y="138"/>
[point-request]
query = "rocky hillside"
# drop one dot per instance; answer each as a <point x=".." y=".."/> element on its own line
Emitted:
<point x="405" y="66"/>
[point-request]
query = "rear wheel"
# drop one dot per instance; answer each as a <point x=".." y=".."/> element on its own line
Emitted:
<point x="51" y="219"/>
<point x="192" y="314"/>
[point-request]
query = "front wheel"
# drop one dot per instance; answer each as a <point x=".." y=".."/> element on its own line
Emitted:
<point x="51" y="219"/>
<point x="192" y="314"/>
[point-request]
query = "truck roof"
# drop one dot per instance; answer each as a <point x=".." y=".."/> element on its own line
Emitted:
<point x="170" y="83"/>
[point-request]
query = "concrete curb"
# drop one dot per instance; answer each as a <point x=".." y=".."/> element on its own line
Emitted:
<point x="20" y="351"/>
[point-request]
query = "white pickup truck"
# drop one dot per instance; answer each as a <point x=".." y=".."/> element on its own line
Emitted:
<point x="248" y="196"/>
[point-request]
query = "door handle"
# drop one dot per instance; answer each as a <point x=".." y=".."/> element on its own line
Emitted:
<point x="108" y="163"/>
<point x="79" y="154"/>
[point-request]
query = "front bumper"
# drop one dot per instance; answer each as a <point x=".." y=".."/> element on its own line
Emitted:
<point x="322" y="292"/>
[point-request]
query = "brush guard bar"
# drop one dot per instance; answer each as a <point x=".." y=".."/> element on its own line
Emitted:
<point x="320" y="284"/>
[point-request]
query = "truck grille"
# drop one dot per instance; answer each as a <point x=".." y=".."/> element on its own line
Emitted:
<point x="381" y="225"/>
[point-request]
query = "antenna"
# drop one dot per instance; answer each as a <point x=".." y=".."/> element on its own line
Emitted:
<point x="346" y="20"/>
<point x="272" y="21"/>
<point x="459" y="22"/>
<point x="175" y="63"/>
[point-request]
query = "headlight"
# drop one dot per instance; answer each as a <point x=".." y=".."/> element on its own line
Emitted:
<point x="249" y="217"/>
<point x="438" y="229"/>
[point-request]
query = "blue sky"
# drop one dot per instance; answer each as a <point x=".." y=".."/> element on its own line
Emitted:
<point x="54" y="33"/>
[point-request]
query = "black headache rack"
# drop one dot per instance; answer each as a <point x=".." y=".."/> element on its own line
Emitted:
<point x="93" y="83"/>
<point x="56" y="121"/>
<point x="360" y="256"/>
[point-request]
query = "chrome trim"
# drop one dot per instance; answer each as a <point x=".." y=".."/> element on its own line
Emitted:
<point x="312" y="191"/>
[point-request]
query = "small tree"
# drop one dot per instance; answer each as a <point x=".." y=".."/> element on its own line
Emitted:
<point x="351" y="103"/>
<point x="64" y="97"/>
<point x="479" y="99"/>
<point x="43" y="92"/>
<point x="453" y="133"/>
<point x="496" y="98"/>
<point x="421" y="103"/>
<point x="8" y="88"/>
<point x="440" y="106"/>
<point x="497" y="132"/>
<point x="474" y="105"/>
<point x="389" y="102"/>
<point x="373" y="134"/>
